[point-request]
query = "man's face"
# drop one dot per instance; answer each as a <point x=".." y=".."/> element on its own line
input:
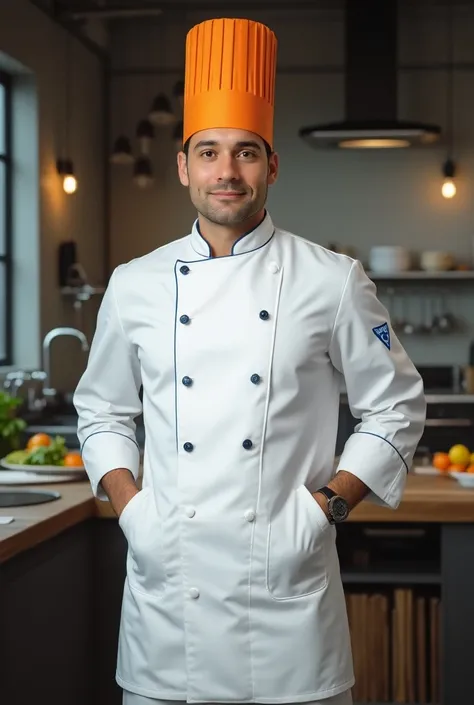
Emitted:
<point x="228" y="174"/>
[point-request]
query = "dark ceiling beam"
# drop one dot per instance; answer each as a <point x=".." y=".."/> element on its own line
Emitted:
<point x="72" y="30"/>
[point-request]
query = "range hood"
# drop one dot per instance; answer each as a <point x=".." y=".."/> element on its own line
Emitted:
<point x="371" y="39"/>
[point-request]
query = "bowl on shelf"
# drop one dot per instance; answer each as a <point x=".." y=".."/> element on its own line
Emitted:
<point x="465" y="479"/>
<point x="386" y="259"/>
<point x="436" y="261"/>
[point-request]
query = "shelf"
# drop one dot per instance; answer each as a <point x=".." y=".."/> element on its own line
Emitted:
<point x="82" y="293"/>
<point x="423" y="276"/>
<point x="361" y="577"/>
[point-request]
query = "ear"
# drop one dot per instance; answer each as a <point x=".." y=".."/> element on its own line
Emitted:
<point x="273" y="165"/>
<point x="183" y="169"/>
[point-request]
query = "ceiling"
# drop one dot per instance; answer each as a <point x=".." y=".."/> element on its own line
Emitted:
<point x="111" y="8"/>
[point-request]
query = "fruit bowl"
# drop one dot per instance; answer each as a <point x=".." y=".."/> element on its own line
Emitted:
<point x="465" y="479"/>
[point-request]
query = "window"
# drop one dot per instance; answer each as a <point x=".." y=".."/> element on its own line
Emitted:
<point x="6" y="303"/>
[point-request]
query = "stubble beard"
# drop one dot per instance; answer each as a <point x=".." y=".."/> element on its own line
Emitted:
<point x="230" y="216"/>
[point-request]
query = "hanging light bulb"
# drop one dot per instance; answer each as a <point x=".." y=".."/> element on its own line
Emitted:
<point x="122" y="151"/>
<point x="145" y="133"/>
<point x="161" y="113"/>
<point x="178" y="92"/>
<point x="143" y="172"/>
<point x="448" y="189"/>
<point x="65" y="169"/>
<point x="178" y="135"/>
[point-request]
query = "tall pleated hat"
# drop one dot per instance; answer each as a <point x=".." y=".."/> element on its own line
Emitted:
<point x="230" y="77"/>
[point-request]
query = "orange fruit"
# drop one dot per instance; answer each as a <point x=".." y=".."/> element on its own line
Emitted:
<point x="457" y="467"/>
<point x="73" y="460"/>
<point x="441" y="461"/>
<point x="38" y="440"/>
<point x="470" y="469"/>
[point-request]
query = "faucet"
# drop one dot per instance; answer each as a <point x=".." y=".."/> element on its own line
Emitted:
<point x="48" y="339"/>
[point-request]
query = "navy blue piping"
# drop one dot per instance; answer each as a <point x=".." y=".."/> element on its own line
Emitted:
<point x="174" y="354"/>
<point x="239" y="254"/>
<point x="232" y="254"/>
<point x="248" y="233"/>
<point x="117" y="433"/>
<point x="369" y="433"/>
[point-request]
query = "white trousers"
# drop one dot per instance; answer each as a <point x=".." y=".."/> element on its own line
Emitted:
<point x="134" y="699"/>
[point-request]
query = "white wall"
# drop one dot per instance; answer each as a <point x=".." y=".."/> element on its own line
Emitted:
<point x="359" y="198"/>
<point x="33" y="47"/>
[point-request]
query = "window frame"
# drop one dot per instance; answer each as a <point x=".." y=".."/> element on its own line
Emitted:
<point x="6" y="258"/>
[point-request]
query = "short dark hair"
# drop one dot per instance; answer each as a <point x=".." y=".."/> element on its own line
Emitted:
<point x="268" y="149"/>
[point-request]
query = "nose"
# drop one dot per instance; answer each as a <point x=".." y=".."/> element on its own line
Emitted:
<point x="228" y="168"/>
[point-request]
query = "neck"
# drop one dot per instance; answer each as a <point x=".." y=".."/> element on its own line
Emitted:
<point x="221" y="238"/>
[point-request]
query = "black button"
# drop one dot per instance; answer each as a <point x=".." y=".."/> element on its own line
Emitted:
<point x="184" y="269"/>
<point x="188" y="447"/>
<point x="264" y="315"/>
<point x="187" y="381"/>
<point x="184" y="319"/>
<point x="255" y="379"/>
<point x="247" y="444"/>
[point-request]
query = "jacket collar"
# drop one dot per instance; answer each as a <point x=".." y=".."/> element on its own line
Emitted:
<point x="253" y="240"/>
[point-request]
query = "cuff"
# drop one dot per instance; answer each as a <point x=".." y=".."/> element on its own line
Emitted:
<point x="378" y="464"/>
<point x="105" y="451"/>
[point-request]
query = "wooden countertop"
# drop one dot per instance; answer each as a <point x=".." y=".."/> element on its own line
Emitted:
<point x="426" y="499"/>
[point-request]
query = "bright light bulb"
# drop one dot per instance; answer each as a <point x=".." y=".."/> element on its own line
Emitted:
<point x="70" y="183"/>
<point x="448" y="188"/>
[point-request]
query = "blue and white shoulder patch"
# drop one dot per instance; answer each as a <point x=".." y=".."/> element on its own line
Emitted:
<point x="383" y="333"/>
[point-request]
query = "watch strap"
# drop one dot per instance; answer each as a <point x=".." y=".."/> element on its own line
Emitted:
<point x="327" y="492"/>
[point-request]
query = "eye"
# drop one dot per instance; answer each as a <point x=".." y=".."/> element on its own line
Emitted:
<point x="208" y="153"/>
<point x="247" y="154"/>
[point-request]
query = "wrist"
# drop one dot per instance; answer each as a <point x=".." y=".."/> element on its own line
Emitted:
<point x="335" y="507"/>
<point x="323" y="503"/>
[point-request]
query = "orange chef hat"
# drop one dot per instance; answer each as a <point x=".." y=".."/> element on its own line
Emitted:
<point x="230" y="77"/>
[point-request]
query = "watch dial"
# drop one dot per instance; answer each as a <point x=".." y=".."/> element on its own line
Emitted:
<point x="339" y="509"/>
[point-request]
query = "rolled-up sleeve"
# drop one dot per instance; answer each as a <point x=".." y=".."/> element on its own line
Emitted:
<point x="107" y="398"/>
<point x="384" y="389"/>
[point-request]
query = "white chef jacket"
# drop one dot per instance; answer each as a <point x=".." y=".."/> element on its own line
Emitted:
<point x="233" y="590"/>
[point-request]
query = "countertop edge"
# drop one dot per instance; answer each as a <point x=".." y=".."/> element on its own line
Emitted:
<point x="426" y="500"/>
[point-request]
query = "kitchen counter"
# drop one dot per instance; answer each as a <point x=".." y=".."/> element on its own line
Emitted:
<point x="426" y="499"/>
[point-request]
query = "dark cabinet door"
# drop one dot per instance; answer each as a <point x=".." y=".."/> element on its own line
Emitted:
<point x="46" y="639"/>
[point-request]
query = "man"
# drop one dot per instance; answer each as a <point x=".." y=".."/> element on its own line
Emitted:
<point x="240" y="335"/>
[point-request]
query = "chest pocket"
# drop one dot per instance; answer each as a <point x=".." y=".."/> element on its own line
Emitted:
<point x="297" y="548"/>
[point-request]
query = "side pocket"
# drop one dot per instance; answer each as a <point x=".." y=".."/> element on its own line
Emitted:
<point x="142" y="527"/>
<point x="126" y="517"/>
<point x="297" y="548"/>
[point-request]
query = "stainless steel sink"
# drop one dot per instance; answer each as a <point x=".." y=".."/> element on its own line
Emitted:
<point x="22" y="498"/>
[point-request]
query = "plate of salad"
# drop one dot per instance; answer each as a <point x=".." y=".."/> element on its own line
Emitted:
<point x="45" y="454"/>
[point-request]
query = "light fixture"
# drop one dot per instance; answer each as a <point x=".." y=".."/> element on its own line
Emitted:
<point x="122" y="151"/>
<point x="370" y="86"/>
<point x="161" y="113"/>
<point x="393" y="142"/>
<point x="65" y="169"/>
<point x="143" y="172"/>
<point x="145" y="133"/>
<point x="448" y="189"/>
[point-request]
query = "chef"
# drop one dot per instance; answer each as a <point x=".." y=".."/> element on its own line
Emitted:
<point x="235" y="342"/>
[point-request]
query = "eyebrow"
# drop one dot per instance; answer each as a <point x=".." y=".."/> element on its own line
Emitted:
<point x="238" y="145"/>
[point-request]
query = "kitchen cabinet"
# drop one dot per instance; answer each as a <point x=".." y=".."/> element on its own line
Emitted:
<point x="46" y="634"/>
<point x="60" y="607"/>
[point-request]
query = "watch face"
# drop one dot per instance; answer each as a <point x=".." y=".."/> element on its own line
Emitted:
<point x="338" y="508"/>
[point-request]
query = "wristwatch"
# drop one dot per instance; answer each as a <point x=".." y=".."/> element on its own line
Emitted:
<point x="338" y="508"/>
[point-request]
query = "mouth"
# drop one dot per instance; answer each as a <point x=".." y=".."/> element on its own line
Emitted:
<point x="227" y="194"/>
